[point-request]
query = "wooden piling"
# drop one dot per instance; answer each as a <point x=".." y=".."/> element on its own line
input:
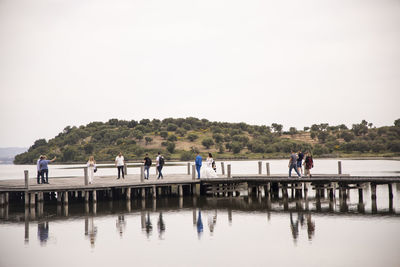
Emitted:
<point x="142" y="173"/>
<point x="85" y="176"/>
<point x="339" y="167"/>
<point x="26" y="197"/>
<point x="26" y="174"/>
<point x="188" y="168"/>
<point x="154" y="191"/>
<point x="260" y="167"/>
<point x="193" y="172"/>
<point x="59" y="195"/>
<point x="128" y="193"/>
<point x="66" y="198"/>
<point x="223" y="168"/>
<point x="32" y="200"/>
<point x="180" y="190"/>
<point x="143" y="192"/>
<point x="268" y="170"/>
<point x="373" y="191"/>
<point x="229" y="171"/>
<point x="94" y="196"/>
<point x="2" y="199"/>
<point x="125" y="169"/>
<point x="360" y="195"/>
<point x="86" y="196"/>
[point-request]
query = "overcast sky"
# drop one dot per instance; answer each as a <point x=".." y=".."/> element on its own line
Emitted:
<point x="70" y="62"/>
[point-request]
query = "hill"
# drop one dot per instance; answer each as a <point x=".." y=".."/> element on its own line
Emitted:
<point x="7" y="154"/>
<point x="181" y="138"/>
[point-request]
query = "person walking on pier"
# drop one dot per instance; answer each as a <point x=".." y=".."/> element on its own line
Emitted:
<point x="300" y="157"/>
<point x="160" y="164"/>
<point x="293" y="164"/>
<point x="147" y="163"/>
<point x="44" y="169"/>
<point x="198" y="161"/>
<point x="120" y="162"/>
<point x="308" y="164"/>
<point x="91" y="165"/>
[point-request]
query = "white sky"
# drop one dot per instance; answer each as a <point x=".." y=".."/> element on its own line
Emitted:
<point x="70" y="62"/>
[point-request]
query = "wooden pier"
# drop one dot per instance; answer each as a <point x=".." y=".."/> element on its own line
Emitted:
<point x="77" y="189"/>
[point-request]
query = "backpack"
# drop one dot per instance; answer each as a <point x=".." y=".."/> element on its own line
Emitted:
<point x="161" y="161"/>
<point x="148" y="162"/>
<point x="213" y="165"/>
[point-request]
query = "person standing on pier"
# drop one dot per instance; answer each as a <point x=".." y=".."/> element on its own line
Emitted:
<point x="120" y="162"/>
<point x="160" y="164"/>
<point x="44" y="169"/>
<point x="198" y="161"/>
<point x="38" y="169"/>
<point x="147" y="163"/>
<point x="308" y="164"/>
<point x="293" y="164"/>
<point x="91" y="165"/>
<point x="300" y="157"/>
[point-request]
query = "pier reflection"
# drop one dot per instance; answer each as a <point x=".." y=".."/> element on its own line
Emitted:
<point x="302" y="213"/>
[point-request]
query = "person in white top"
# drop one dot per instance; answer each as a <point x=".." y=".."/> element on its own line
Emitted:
<point x="208" y="171"/>
<point x="91" y="164"/>
<point x="120" y="162"/>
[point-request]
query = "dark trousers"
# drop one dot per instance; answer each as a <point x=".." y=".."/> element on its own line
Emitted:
<point x="38" y="176"/>
<point x="121" y="169"/>
<point x="198" y="167"/>
<point x="293" y="166"/>
<point x="159" y="168"/>
<point x="43" y="173"/>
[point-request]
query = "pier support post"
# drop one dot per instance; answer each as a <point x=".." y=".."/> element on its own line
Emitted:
<point x="180" y="190"/>
<point x="259" y="167"/>
<point x="223" y="168"/>
<point x="2" y="199"/>
<point x="59" y="195"/>
<point x="26" y="174"/>
<point x="6" y="197"/>
<point x="154" y="189"/>
<point x="193" y="172"/>
<point x="40" y="197"/>
<point x="373" y="191"/>
<point x="128" y="193"/>
<point x="94" y="196"/>
<point x="125" y="168"/>
<point x="85" y="175"/>
<point x="143" y="191"/>
<point x="360" y="195"/>
<point x="86" y="196"/>
<point x="32" y="202"/>
<point x="142" y="173"/>
<point x="339" y="167"/>
<point x="268" y="170"/>
<point x="229" y="171"/>
<point x="66" y="198"/>
<point x="26" y="197"/>
<point x="188" y="169"/>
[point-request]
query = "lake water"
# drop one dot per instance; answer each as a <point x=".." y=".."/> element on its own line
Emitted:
<point x="209" y="231"/>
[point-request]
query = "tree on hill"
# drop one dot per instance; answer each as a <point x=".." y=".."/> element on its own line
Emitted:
<point x="207" y="142"/>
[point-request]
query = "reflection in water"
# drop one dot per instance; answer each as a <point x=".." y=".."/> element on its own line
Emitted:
<point x="90" y="230"/>
<point x="294" y="225"/>
<point x="43" y="232"/>
<point x="199" y="225"/>
<point x="121" y="224"/>
<point x="160" y="226"/>
<point x="148" y="225"/>
<point x="212" y="221"/>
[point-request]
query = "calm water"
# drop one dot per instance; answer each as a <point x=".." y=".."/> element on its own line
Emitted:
<point x="210" y="231"/>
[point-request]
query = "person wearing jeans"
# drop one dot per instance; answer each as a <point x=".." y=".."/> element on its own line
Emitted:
<point x="160" y="164"/>
<point x="293" y="164"/>
<point x="120" y="162"/>
<point x="147" y="163"/>
<point x="198" y="162"/>
<point x="44" y="169"/>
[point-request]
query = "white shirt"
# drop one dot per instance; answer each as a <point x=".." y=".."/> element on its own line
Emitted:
<point x="38" y="165"/>
<point x="120" y="160"/>
<point x="158" y="160"/>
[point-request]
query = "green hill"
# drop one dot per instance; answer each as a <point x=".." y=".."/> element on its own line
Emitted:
<point x="181" y="138"/>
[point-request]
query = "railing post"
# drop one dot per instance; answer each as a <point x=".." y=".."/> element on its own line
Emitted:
<point x="26" y="174"/>
<point x="268" y="170"/>
<point x="188" y="169"/>
<point x="339" y="167"/>
<point x="85" y="175"/>
<point x="193" y="172"/>
<point x="229" y="171"/>
<point x="259" y="167"/>
<point x="125" y="169"/>
<point x="142" y="173"/>
<point x="223" y="168"/>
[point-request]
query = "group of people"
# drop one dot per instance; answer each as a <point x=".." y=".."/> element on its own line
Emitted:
<point x="210" y="168"/>
<point x="160" y="161"/>
<point x="43" y="169"/>
<point x="296" y="162"/>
